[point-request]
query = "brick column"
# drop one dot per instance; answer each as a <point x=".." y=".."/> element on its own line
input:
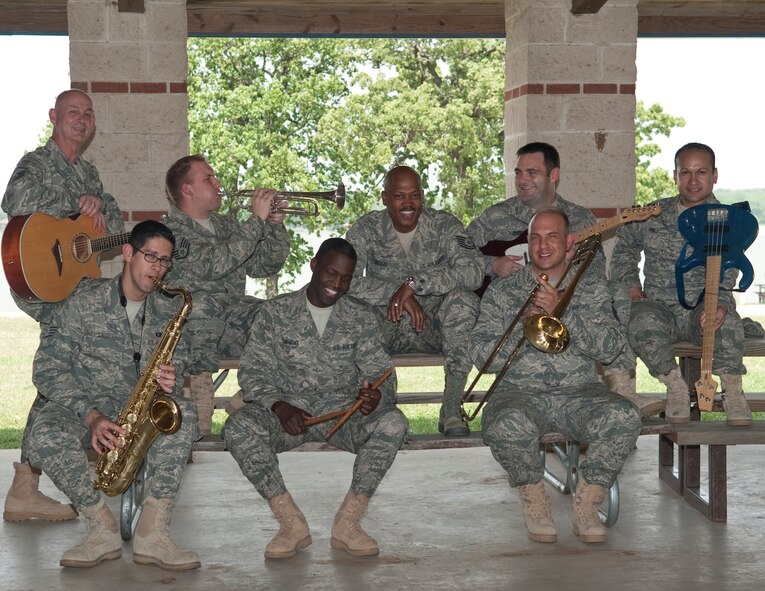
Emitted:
<point x="570" y="81"/>
<point x="134" y="66"/>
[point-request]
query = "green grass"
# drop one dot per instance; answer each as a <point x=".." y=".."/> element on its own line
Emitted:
<point x="20" y="336"/>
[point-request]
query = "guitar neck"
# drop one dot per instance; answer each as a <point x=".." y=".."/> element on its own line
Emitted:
<point x="601" y="227"/>
<point x="711" y="293"/>
<point x="107" y="242"/>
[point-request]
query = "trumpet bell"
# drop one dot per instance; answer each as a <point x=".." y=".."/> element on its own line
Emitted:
<point x="546" y="333"/>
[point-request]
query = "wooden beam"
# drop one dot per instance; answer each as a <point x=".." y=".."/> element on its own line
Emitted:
<point x="701" y="25"/>
<point x="131" y="6"/>
<point x="586" y="6"/>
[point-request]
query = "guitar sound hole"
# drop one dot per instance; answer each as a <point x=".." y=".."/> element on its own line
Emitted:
<point x="81" y="248"/>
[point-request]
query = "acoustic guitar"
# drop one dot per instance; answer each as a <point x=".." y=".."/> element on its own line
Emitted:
<point x="44" y="257"/>
<point x="718" y="236"/>
<point x="498" y="248"/>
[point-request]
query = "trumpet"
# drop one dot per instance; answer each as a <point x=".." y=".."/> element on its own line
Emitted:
<point x="544" y="332"/>
<point x="308" y="200"/>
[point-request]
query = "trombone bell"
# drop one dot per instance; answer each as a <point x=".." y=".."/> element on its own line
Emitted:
<point x="546" y="333"/>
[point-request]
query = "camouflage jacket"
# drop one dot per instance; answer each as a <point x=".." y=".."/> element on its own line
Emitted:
<point x="87" y="361"/>
<point x="286" y="360"/>
<point x="220" y="263"/>
<point x="659" y="239"/>
<point x="442" y="257"/>
<point x="44" y="180"/>
<point x="508" y="219"/>
<point x="594" y="331"/>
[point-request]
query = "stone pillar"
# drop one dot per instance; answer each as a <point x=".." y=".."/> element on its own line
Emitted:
<point x="570" y="81"/>
<point x="134" y="66"/>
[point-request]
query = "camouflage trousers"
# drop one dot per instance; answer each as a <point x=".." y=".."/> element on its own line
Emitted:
<point x="655" y="327"/>
<point x="621" y="304"/>
<point x="217" y="330"/>
<point x="58" y="440"/>
<point x="514" y="420"/>
<point x="254" y="436"/>
<point x="37" y="405"/>
<point x="450" y="320"/>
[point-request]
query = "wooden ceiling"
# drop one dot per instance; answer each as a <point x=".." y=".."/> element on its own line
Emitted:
<point x="430" y="18"/>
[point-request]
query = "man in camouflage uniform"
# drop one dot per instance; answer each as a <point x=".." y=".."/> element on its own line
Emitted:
<point x="55" y="180"/>
<point x="87" y="369"/>
<point x="537" y="173"/>
<point x="657" y="320"/>
<point x="215" y="255"/>
<point x="543" y="392"/>
<point x="312" y="352"/>
<point x="419" y="262"/>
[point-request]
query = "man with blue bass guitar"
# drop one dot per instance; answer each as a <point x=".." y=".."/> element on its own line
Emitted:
<point x="53" y="180"/>
<point x="693" y="251"/>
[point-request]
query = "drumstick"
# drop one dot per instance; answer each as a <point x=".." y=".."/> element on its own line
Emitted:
<point x="341" y="421"/>
<point x="324" y="418"/>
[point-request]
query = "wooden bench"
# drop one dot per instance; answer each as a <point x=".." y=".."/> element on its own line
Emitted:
<point x="685" y="441"/>
<point x="681" y="441"/>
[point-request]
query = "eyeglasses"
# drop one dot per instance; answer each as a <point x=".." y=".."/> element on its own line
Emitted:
<point x="152" y="258"/>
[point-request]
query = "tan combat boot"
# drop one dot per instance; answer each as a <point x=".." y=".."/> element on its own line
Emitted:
<point x="293" y="534"/>
<point x="102" y="539"/>
<point x="584" y="512"/>
<point x="734" y="403"/>
<point x="623" y="383"/>
<point x="152" y="543"/>
<point x="203" y="395"/>
<point x="536" y="512"/>
<point x="346" y="529"/>
<point x="678" y="408"/>
<point x="24" y="500"/>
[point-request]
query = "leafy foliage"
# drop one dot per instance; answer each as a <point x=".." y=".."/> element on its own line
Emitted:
<point x="652" y="183"/>
<point x="305" y="114"/>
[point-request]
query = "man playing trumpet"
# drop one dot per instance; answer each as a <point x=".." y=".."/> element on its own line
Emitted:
<point x="310" y="352"/>
<point x="214" y="257"/>
<point x="544" y="393"/>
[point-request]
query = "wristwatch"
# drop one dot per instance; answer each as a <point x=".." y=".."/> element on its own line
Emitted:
<point x="409" y="281"/>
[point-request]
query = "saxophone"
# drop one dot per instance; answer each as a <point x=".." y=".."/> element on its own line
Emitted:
<point x="147" y="413"/>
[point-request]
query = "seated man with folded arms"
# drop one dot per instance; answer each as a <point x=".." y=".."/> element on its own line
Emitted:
<point x="311" y="352"/>
<point x="107" y="333"/>
<point x="418" y="268"/>
<point x="545" y="393"/>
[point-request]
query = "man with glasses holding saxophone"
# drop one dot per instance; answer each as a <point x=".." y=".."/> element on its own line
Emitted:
<point x="214" y="256"/>
<point x="87" y="369"/>
<point x="544" y="392"/>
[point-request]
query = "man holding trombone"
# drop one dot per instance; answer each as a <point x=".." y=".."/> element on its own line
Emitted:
<point x="555" y="389"/>
<point x="214" y="256"/>
<point x="312" y="352"/>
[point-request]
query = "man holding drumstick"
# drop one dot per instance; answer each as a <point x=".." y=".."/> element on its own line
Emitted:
<point x="310" y="352"/>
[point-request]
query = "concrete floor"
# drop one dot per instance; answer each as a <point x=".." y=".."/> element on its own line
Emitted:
<point x="445" y="519"/>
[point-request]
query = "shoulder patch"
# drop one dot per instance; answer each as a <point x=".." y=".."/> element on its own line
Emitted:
<point x="465" y="242"/>
<point x="181" y="249"/>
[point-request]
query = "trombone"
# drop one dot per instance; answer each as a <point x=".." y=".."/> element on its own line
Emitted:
<point x="300" y="203"/>
<point x="544" y="332"/>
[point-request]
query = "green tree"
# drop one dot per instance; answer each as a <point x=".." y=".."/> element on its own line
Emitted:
<point x="652" y="183"/>
<point x="304" y="114"/>
<point x="307" y="113"/>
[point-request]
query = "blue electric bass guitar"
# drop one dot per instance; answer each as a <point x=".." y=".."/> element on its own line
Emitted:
<point x="717" y="235"/>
